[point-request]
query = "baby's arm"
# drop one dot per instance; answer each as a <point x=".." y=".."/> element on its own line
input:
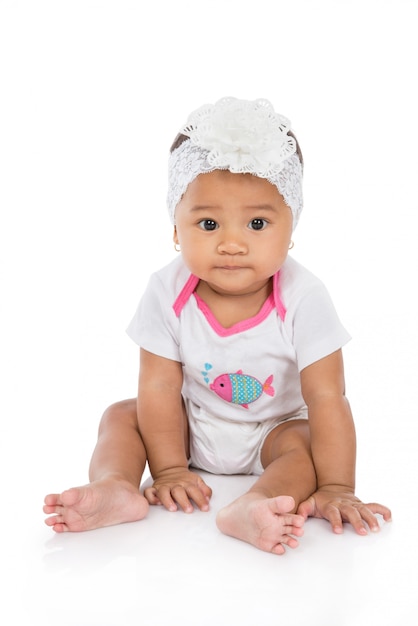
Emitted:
<point x="333" y="443"/>
<point x="163" y="426"/>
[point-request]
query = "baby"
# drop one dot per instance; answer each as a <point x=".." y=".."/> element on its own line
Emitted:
<point x="241" y="368"/>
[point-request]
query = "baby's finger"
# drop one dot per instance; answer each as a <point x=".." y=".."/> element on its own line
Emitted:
<point x="166" y="496"/>
<point x="381" y="510"/>
<point x="355" y="516"/>
<point x="204" y="488"/>
<point x="150" y="494"/>
<point x="333" y="515"/>
<point x="199" y="498"/>
<point x="370" y="519"/>
<point x="179" y="494"/>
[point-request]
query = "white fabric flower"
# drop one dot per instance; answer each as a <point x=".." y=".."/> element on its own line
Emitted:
<point x="242" y="135"/>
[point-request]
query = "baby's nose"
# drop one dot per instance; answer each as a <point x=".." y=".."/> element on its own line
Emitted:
<point x="232" y="243"/>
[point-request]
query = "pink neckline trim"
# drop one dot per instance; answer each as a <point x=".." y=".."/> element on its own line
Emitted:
<point x="240" y="327"/>
<point x="273" y="301"/>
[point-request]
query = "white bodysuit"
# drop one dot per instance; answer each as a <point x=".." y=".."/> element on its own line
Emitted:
<point x="239" y="382"/>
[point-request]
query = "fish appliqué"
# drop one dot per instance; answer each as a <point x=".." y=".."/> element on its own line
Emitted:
<point x="242" y="389"/>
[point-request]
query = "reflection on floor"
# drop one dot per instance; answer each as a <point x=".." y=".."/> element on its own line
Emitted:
<point x="173" y="568"/>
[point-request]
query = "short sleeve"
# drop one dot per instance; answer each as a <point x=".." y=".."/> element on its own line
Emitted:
<point x="154" y="326"/>
<point x="313" y="323"/>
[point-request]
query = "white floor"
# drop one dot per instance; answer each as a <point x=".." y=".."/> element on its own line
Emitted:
<point x="84" y="139"/>
<point x="178" y="569"/>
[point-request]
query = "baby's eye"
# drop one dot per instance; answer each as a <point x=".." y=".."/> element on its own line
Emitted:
<point x="257" y="224"/>
<point x="208" y="225"/>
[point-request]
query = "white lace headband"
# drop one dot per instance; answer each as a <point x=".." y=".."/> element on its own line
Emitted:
<point x="243" y="137"/>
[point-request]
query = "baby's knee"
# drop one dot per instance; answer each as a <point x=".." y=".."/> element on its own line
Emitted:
<point x="125" y="411"/>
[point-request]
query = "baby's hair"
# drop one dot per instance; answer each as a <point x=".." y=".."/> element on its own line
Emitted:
<point x="180" y="138"/>
<point x="178" y="141"/>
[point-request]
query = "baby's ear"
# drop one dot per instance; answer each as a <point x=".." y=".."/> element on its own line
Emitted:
<point x="175" y="238"/>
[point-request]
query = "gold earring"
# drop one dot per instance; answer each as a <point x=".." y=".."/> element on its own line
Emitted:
<point x="177" y="247"/>
<point x="291" y="245"/>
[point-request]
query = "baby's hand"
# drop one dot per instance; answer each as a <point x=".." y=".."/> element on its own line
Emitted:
<point x="338" y="506"/>
<point x="179" y="486"/>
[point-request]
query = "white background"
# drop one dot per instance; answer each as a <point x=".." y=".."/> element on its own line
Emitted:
<point x="91" y="95"/>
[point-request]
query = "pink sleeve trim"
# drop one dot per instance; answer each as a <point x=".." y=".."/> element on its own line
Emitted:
<point x="277" y="297"/>
<point x="185" y="294"/>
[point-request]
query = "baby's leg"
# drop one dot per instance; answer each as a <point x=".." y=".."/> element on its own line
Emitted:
<point x="265" y="515"/>
<point x="116" y="467"/>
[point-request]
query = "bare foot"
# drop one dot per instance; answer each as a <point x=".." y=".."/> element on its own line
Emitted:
<point x="264" y="522"/>
<point x="101" y="503"/>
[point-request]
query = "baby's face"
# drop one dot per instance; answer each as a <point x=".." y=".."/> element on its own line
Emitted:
<point x="234" y="230"/>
